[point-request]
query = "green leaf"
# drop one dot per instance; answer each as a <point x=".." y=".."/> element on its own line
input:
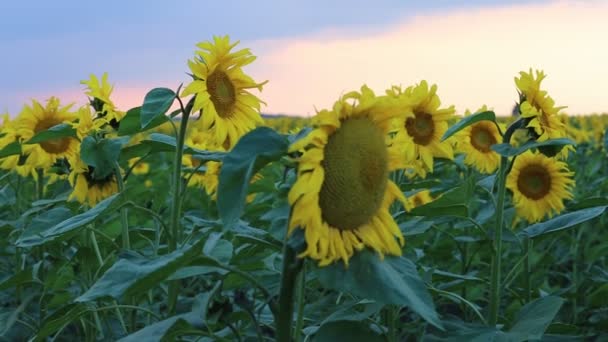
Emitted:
<point x="158" y="331"/>
<point x="562" y="222"/>
<point x="7" y="196"/>
<point x="347" y="331"/>
<point x="133" y="151"/>
<point x="16" y="279"/>
<point x="101" y="154"/>
<point x="135" y="274"/>
<point x="252" y="152"/>
<point x="10" y="149"/>
<point x="61" y="317"/>
<point x="534" y="318"/>
<point x="393" y="280"/>
<point x="158" y="142"/>
<point x="469" y="120"/>
<point x="450" y="203"/>
<point x="507" y="150"/>
<point x="606" y="139"/>
<point x="72" y="225"/>
<point x="131" y="123"/>
<point x="56" y="132"/>
<point x="156" y="103"/>
<point x="46" y="219"/>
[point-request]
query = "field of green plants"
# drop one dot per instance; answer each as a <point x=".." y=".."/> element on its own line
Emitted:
<point x="388" y="217"/>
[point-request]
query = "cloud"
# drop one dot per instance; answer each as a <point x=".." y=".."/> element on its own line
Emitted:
<point x="473" y="55"/>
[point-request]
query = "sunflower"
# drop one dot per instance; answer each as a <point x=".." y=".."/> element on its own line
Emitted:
<point x="35" y="119"/>
<point x="86" y="124"/>
<point x="537" y="105"/>
<point x="474" y="142"/>
<point x="423" y="124"/>
<point x="8" y="135"/>
<point x="206" y="177"/>
<point x="139" y="167"/>
<point x="221" y="90"/>
<point x="100" y="93"/>
<point x="540" y="185"/>
<point x="342" y="194"/>
<point x="87" y="189"/>
<point x="420" y="198"/>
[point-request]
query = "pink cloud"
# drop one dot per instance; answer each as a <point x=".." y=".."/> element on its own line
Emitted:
<point x="473" y="55"/>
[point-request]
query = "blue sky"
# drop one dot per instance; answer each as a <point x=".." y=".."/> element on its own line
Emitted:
<point x="52" y="45"/>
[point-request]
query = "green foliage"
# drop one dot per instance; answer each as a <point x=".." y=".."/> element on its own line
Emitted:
<point x="253" y="151"/>
<point x="131" y="123"/>
<point x="467" y="121"/>
<point x="156" y="103"/>
<point x="102" y="154"/>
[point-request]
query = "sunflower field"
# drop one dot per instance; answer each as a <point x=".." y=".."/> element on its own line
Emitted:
<point x="387" y="217"/>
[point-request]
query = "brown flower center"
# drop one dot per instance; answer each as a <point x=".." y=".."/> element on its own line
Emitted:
<point x="534" y="181"/>
<point x="482" y="138"/>
<point x="421" y="127"/>
<point x="53" y="146"/>
<point x="356" y="173"/>
<point x="222" y="91"/>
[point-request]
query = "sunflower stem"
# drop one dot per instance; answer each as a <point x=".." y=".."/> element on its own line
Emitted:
<point x="495" y="278"/>
<point x="124" y="219"/>
<point x="391" y="320"/>
<point x="300" y="295"/>
<point x="40" y="184"/>
<point x="291" y="267"/>
<point x="527" y="284"/>
<point x="174" y="237"/>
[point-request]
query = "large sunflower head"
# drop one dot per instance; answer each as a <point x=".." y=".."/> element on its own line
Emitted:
<point x="475" y="142"/>
<point x="87" y="189"/>
<point x="86" y="123"/>
<point x="100" y="93"/>
<point x="9" y="133"/>
<point x="37" y="118"/>
<point x="342" y="193"/>
<point x="540" y="185"/>
<point x="423" y="124"/>
<point x="222" y="90"/>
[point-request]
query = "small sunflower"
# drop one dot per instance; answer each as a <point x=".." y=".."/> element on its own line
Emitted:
<point x="420" y="198"/>
<point x="35" y="119"/>
<point x="100" y="93"/>
<point x="475" y="143"/>
<point x="206" y="177"/>
<point x="9" y="134"/>
<point x="342" y="194"/>
<point x="87" y="189"/>
<point x="221" y="90"/>
<point x="139" y="167"/>
<point x="423" y="124"/>
<point x="540" y="185"/>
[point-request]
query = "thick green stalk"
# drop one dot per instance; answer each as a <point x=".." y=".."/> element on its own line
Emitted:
<point x="300" y="296"/>
<point x="527" y="283"/>
<point x="291" y="268"/>
<point x="391" y="322"/>
<point x="124" y="219"/>
<point x="40" y="184"/>
<point x="495" y="279"/>
<point x="174" y="237"/>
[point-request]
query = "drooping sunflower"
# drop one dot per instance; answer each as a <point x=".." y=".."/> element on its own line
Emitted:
<point x="87" y="189"/>
<point x="222" y="90"/>
<point x="540" y="185"/>
<point x="474" y="142"/>
<point x="86" y="123"/>
<point x="539" y="106"/>
<point x="35" y="119"/>
<point x="100" y="93"/>
<point x="423" y="124"/>
<point x="342" y="194"/>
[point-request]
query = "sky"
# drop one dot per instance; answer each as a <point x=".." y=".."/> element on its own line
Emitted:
<point x="311" y="51"/>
